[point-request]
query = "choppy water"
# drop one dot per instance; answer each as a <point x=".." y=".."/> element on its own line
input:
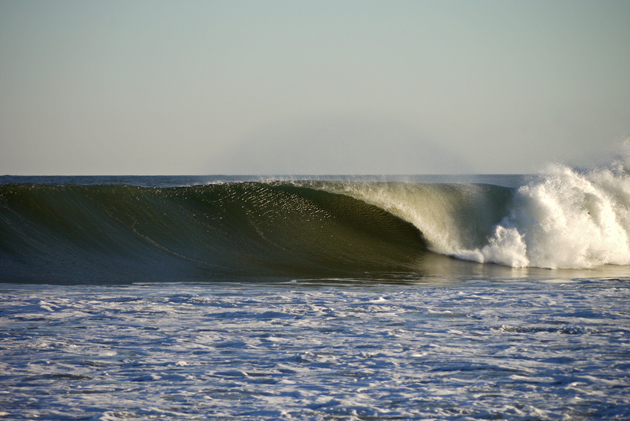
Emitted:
<point x="476" y="349"/>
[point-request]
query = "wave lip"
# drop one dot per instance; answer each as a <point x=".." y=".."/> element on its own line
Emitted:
<point x="450" y="216"/>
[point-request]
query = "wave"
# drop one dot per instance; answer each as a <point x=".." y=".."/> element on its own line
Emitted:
<point x="119" y="233"/>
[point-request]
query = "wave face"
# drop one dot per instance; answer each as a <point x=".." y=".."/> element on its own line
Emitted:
<point x="302" y="229"/>
<point x="57" y="233"/>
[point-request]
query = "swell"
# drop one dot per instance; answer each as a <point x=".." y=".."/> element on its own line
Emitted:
<point x="83" y="234"/>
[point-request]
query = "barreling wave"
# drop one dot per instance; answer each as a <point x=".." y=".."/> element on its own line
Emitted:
<point x="562" y="219"/>
<point x="122" y="233"/>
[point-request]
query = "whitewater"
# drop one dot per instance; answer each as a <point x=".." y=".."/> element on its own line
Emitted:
<point x="320" y="298"/>
<point x="564" y="219"/>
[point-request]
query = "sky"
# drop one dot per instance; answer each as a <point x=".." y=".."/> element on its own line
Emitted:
<point x="152" y="87"/>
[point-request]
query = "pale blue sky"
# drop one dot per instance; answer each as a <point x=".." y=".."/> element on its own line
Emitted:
<point x="290" y="87"/>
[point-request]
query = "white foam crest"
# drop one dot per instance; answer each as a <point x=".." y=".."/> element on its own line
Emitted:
<point x="566" y="219"/>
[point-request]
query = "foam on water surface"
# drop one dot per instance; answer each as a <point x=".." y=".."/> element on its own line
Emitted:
<point x="519" y="349"/>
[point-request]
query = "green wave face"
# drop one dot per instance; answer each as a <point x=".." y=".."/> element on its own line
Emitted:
<point x="108" y="233"/>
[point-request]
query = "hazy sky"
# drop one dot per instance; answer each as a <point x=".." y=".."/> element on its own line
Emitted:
<point x="310" y="87"/>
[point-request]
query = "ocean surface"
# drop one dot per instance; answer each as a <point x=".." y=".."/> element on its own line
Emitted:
<point x="323" y="298"/>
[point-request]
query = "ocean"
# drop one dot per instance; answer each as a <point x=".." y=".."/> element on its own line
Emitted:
<point x="323" y="298"/>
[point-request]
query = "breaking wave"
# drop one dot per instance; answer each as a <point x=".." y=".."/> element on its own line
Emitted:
<point x="89" y="233"/>
<point x="567" y="219"/>
<point x="561" y="219"/>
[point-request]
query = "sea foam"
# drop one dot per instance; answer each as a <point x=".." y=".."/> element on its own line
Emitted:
<point x="565" y="219"/>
